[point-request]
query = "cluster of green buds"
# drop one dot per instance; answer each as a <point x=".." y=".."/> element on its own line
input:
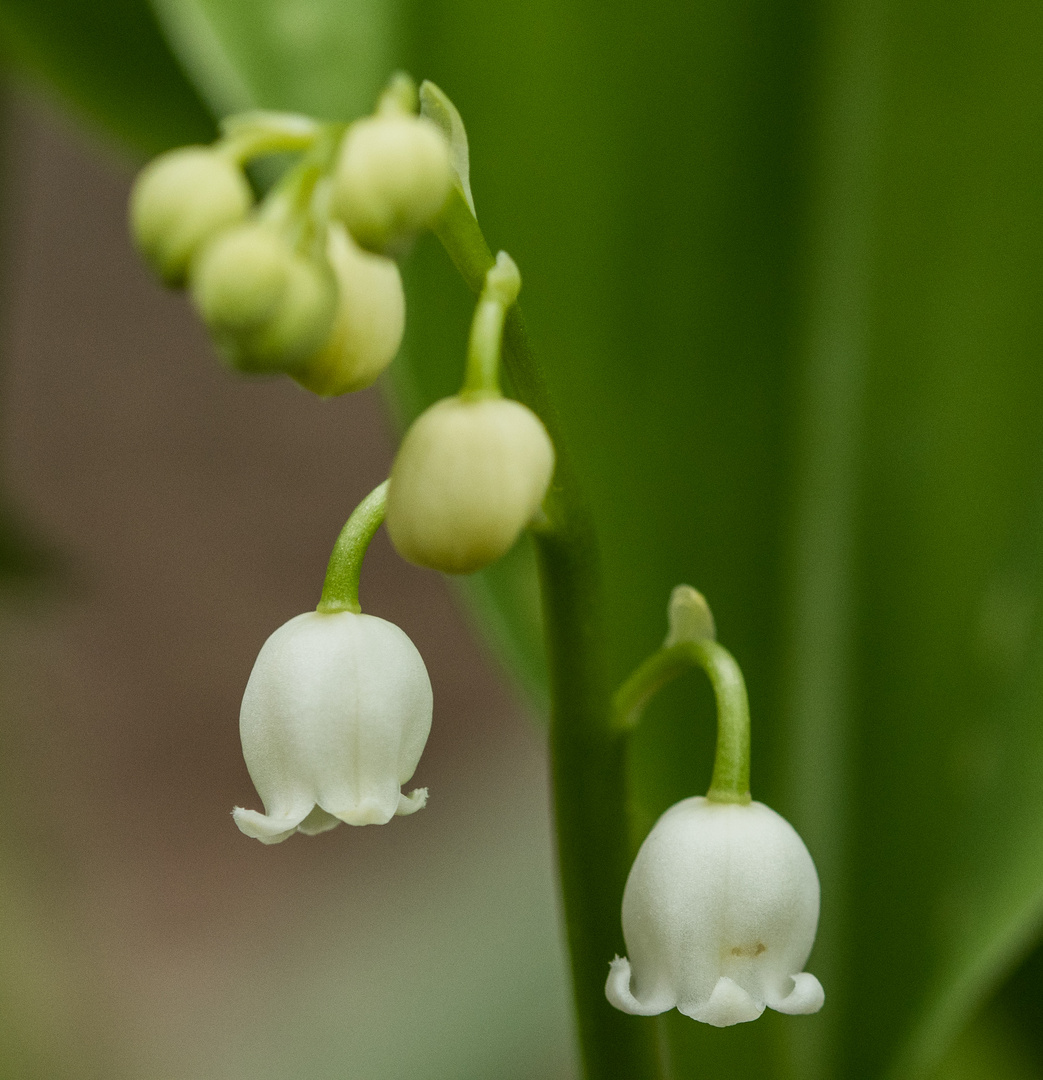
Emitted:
<point x="302" y="280"/>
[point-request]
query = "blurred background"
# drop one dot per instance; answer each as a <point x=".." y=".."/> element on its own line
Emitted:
<point x="176" y="516"/>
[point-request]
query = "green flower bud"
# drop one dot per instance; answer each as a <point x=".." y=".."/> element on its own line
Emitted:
<point x="470" y="475"/>
<point x="180" y="200"/>
<point x="267" y="306"/>
<point x="392" y="178"/>
<point x="370" y="320"/>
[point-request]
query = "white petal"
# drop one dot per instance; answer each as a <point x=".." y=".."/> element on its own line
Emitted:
<point x="720" y="890"/>
<point x="336" y="713"/>
<point x="366" y="812"/>
<point x="619" y="994"/>
<point x="729" y="1004"/>
<point x="806" y="996"/>
<point x="318" y="821"/>
<point x="377" y="807"/>
<point x="411" y="803"/>
<point x="267" y="829"/>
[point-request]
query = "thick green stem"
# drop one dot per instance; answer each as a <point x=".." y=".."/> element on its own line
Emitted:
<point x="731" y="766"/>
<point x="340" y="590"/>
<point x="587" y="757"/>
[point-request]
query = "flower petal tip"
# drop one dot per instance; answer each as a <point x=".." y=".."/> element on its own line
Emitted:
<point x="807" y="996"/>
<point x="619" y="994"/>
<point x="728" y="1004"/>
<point x="318" y="821"/>
<point x="411" y="803"/>
<point x="264" y="828"/>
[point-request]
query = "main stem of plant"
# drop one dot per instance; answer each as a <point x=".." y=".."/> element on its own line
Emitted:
<point x="587" y="756"/>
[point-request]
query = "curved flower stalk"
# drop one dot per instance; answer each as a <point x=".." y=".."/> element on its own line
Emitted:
<point x="721" y="905"/>
<point x="337" y="709"/>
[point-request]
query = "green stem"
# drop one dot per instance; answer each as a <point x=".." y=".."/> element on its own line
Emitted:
<point x="502" y="282"/>
<point x="731" y="766"/>
<point x="587" y="758"/>
<point x="399" y="97"/>
<point x="258" y="134"/>
<point x="290" y="206"/>
<point x="340" y="590"/>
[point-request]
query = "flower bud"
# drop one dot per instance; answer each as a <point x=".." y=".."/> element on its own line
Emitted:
<point x="719" y="916"/>
<point x="180" y="200"/>
<point x="335" y="716"/>
<point x="392" y="178"/>
<point x="368" y="326"/>
<point x="469" y="476"/>
<point x="266" y="305"/>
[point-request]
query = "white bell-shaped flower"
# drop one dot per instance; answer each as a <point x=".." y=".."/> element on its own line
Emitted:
<point x="335" y="716"/>
<point x="719" y="916"/>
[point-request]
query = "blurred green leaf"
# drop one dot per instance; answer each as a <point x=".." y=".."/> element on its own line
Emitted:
<point x="109" y="59"/>
<point x="329" y="58"/>
<point x="784" y="265"/>
<point x="786" y="276"/>
<point x="991" y="1048"/>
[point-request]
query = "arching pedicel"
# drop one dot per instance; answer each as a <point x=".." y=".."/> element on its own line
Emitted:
<point x="721" y="905"/>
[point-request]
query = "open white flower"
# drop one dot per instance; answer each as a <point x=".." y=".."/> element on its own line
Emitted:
<point x="719" y="916"/>
<point x="335" y="716"/>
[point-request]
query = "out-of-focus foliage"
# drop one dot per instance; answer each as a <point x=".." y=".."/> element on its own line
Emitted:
<point x="109" y="59"/>
<point x="325" y="59"/>
<point x="783" y="263"/>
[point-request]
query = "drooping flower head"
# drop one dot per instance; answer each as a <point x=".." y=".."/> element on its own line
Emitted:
<point x="721" y="905"/>
<point x="719" y="916"/>
<point x="393" y="173"/>
<point x="335" y="716"/>
<point x="337" y="709"/>
<point x="180" y="200"/>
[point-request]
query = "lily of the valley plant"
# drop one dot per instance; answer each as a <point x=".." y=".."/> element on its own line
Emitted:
<point x="721" y="905"/>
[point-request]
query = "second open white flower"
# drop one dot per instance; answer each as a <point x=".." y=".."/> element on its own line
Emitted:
<point x="719" y="916"/>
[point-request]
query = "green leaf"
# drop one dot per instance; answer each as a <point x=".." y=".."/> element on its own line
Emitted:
<point x="110" y="61"/>
<point x="813" y="392"/>
<point x="990" y="1049"/>
<point x="810" y="386"/>
<point x="436" y="106"/>
<point x="329" y="58"/>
